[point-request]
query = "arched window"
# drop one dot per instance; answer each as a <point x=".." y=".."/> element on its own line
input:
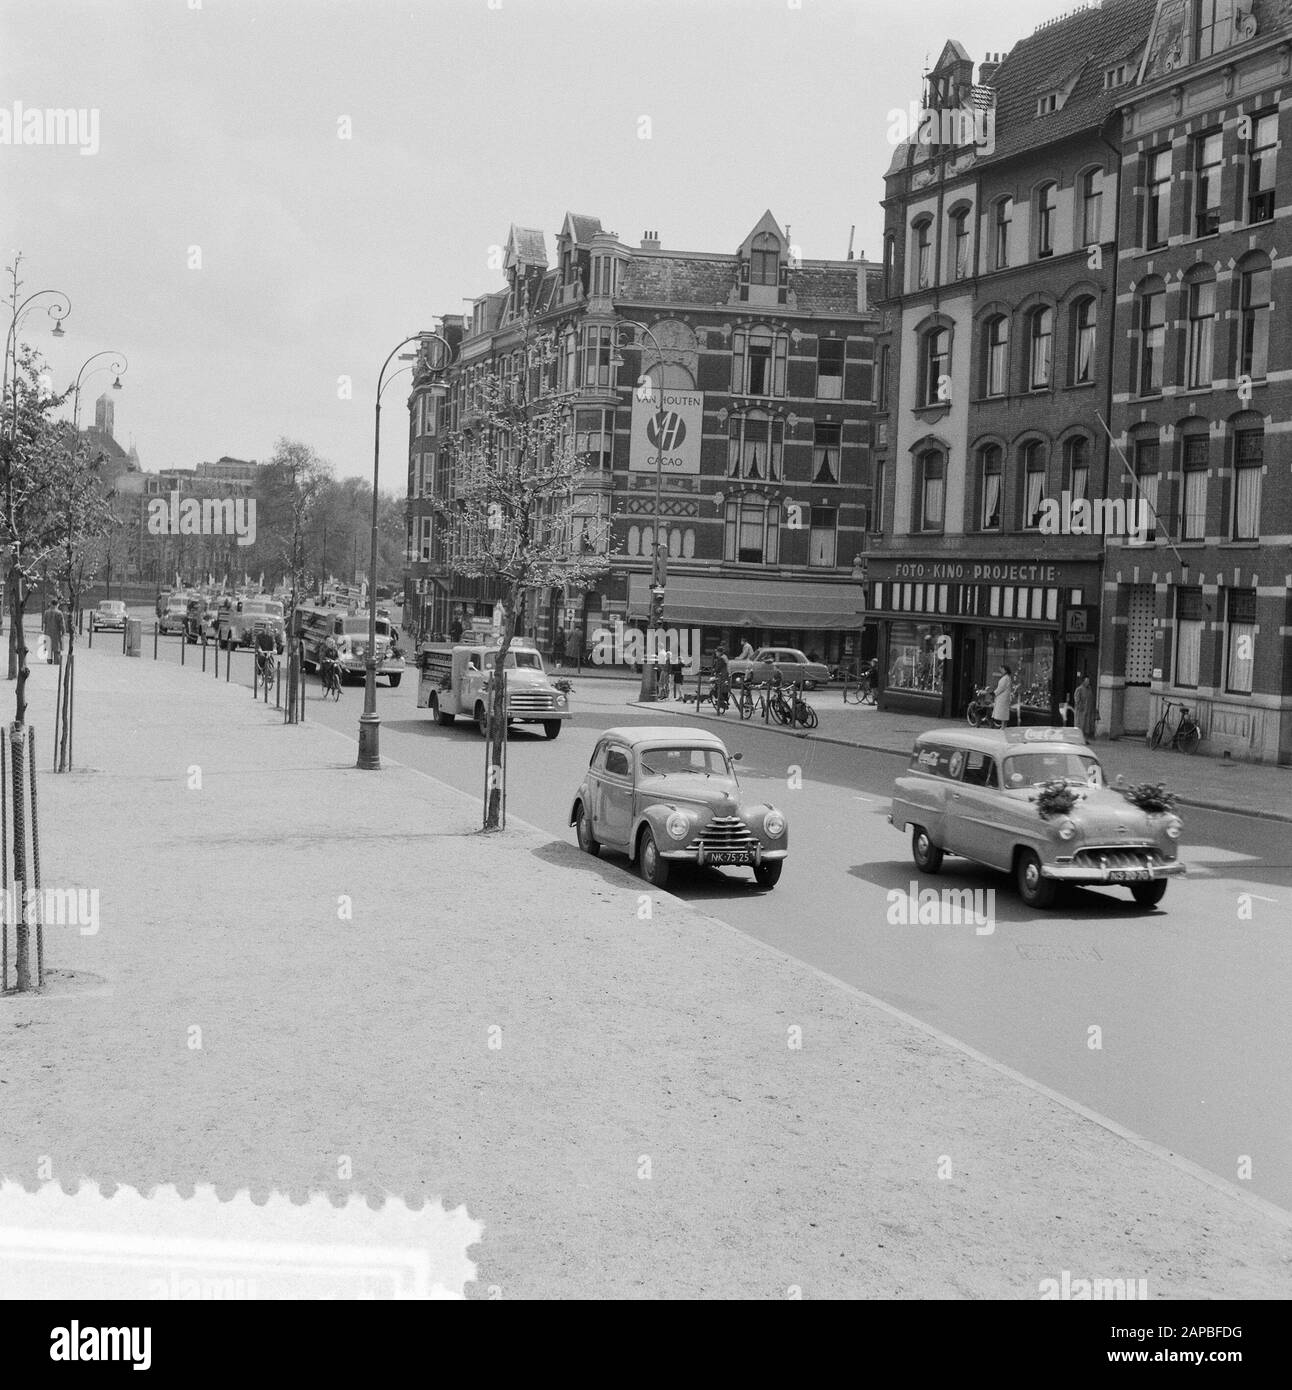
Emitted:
<point x="1076" y="468"/>
<point x="1254" y="342"/>
<point x="1249" y="467"/>
<point x="990" y="461"/>
<point x="1150" y="321"/>
<point x="1032" y="457"/>
<point x="1202" y="319"/>
<point x="996" y="356"/>
<point x="960" y="244"/>
<point x="930" y="489"/>
<point x="1004" y="218"/>
<point x="1195" y="459"/>
<point x="1092" y="211"/>
<point x="1084" y="330"/>
<point x="1047" y="203"/>
<point x="1144" y="495"/>
<point x="935" y="362"/>
<point x="764" y="260"/>
<point x="923" y="252"/>
<point x="1040" y="348"/>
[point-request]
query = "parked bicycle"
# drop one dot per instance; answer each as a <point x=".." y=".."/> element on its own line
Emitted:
<point x="749" y="703"/>
<point x="719" y="696"/>
<point x="795" y="710"/>
<point x="857" y="688"/>
<point x="1185" y="736"/>
<point x="980" y="707"/>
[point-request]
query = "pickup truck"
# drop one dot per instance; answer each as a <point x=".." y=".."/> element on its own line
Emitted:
<point x="454" y="681"/>
<point x="173" y="616"/>
<point x="237" y="626"/>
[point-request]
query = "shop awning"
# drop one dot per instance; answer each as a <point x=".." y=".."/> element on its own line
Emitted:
<point x="759" y="603"/>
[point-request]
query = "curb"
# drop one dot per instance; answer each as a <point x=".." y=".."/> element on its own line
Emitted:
<point x="1197" y="803"/>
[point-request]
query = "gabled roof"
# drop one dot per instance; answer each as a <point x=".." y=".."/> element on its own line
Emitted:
<point x="1089" y="41"/>
<point x="953" y="51"/>
<point x="766" y="223"/>
<point x="525" y="246"/>
<point x="580" y="228"/>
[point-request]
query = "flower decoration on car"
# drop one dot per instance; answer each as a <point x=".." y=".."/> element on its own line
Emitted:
<point x="1055" y="798"/>
<point x="1154" y="798"/>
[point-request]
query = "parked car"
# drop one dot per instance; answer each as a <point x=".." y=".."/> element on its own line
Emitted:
<point x="176" y="614"/>
<point x="109" y="616"/>
<point x="792" y="664"/>
<point x="996" y="796"/>
<point x="663" y="796"/>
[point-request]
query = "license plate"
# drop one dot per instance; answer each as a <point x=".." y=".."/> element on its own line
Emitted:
<point x="727" y="857"/>
<point x="1128" y="875"/>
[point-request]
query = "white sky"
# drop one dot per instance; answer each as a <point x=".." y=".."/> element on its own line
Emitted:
<point x="218" y="128"/>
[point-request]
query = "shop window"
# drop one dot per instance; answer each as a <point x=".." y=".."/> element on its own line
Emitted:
<point x="913" y="657"/>
<point x="1240" y="640"/>
<point x="1030" y="658"/>
<point x="1190" y="616"/>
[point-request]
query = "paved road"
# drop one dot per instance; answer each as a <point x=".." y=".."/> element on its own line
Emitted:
<point x="1189" y="1000"/>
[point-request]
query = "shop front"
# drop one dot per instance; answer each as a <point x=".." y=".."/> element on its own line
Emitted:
<point x="947" y="628"/>
<point x="823" y="620"/>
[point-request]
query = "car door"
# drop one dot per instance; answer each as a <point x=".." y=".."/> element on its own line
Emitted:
<point x="976" y="828"/>
<point x="613" y="796"/>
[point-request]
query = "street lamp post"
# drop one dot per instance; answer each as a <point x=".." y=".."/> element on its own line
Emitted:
<point x="369" y="720"/>
<point x="117" y="367"/>
<point x="649" y="687"/>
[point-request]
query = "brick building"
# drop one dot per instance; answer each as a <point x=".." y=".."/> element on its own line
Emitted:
<point x="1202" y="371"/>
<point x="1000" y="242"/>
<point x="766" y="363"/>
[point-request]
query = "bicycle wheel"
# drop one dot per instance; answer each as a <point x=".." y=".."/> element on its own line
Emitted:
<point x="744" y="703"/>
<point x="974" y="713"/>
<point x="1158" y="734"/>
<point x="811" y="721"/>
<point x="782" y="710"/>
<point x="1187" y="739"/>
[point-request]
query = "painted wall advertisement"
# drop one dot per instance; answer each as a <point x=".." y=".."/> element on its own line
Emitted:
<point x="669" y="432"/>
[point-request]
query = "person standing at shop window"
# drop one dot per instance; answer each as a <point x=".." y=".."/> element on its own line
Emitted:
<point x="1003" y="698"/>
<point x="1084" y="700"/>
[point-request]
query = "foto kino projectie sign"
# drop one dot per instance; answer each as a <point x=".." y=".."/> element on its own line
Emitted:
<point x="667" y="435"/>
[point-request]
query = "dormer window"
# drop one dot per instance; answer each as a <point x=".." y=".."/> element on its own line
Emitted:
<point x="1047" y="102"/>
<point x="1215" y="27"/>
<point x="764" y="260"/>
<point x="1116" y="77"/>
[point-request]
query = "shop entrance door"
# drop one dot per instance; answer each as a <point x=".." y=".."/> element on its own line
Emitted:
<point x="970" y="676"/>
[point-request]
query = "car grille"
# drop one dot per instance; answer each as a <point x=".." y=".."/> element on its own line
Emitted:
<point x="724" y="833"/>
<point x="1118" y="857"/>
<point x="530" y="702"/>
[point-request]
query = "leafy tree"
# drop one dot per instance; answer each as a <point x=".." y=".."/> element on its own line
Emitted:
<point x="514" y="508"/>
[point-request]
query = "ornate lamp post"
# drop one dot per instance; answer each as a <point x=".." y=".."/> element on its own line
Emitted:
<point x="659" y="550"/>
<point x="117" y="367"/>
<point x="369" y="720"/>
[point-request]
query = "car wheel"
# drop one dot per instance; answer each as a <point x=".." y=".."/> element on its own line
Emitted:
<point x="1035" y="890"/>
<point x="1149" y="894"/>
<point x="552" y="728"/>
<point x="395" y="679"/>
<point x="654" y="869"/>
<point x="768" y="875"/>
<point x="583" y="826"/>
<point x="482" y="721"/>
<point x="926" y="854"/>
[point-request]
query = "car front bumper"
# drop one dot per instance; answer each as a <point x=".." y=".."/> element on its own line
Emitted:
<point x="1111" y="873"/>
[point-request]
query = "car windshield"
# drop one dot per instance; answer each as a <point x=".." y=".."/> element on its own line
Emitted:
<point x="526" y="660"/>
<point x="354" y="627"/>
<point x="269" y="610"/>
<point x="112" y="606"/>
<point x="1034" y="769"/>
<point x="669" y="762"/>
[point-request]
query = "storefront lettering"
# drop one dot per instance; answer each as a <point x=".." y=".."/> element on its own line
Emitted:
<point x="983" y="574"/>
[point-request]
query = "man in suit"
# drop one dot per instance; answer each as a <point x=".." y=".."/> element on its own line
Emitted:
<point x="55" y="627"/>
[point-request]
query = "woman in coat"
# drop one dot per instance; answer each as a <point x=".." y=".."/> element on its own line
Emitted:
<point x="1004" y="697"/>
<point x="1084" y="700"/>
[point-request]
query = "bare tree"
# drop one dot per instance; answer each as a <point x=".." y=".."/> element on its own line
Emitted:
<point x="513" y="512"/>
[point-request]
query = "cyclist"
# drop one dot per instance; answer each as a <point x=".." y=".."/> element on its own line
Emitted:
<point x="329" y="662"/>
<point x="265" y="646"/>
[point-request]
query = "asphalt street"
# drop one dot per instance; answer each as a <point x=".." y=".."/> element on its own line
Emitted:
<point x="1170" y="1022"/>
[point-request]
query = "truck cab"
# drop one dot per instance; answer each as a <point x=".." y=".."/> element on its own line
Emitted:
<point x="454" y="682"/>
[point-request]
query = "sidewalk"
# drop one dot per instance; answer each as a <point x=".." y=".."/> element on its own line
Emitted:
<point x="1218" y="784"/>
<point x="619" y="1098"/>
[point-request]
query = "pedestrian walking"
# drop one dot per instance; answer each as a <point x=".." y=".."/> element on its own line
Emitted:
<point x="1087" y="710"/>
<point x="55" y="626"/>
<point x="558" y="647"/>
<point x="1004" y="697"/>
<point x="455" y="630"/>
<point x="574" y="649"/>
<point x="675" y="670"/>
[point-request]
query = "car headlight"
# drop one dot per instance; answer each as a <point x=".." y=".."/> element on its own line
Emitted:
<point x="774" y="824"/>
<point x="678" y="825"/>
<point x="560" y="700"/>
<point x="1067" y="829"/>
<point x="1174" y="828"/>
